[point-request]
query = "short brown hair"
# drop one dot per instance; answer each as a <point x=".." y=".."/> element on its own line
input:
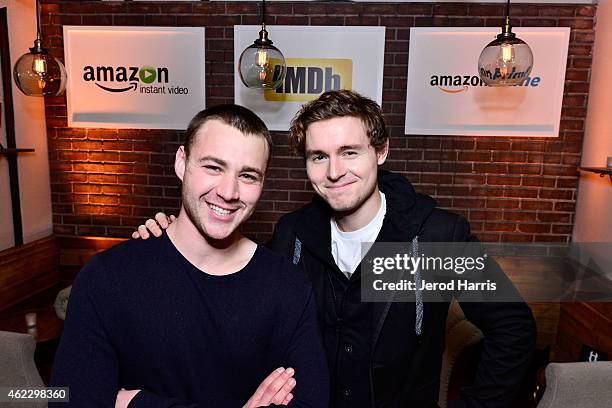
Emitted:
<point x="335" y="104"/>
<point x="239" y="117"/>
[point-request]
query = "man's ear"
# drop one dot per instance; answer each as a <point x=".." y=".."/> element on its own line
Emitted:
<point x="180" y="161"/>
<point x="383" y="153"/>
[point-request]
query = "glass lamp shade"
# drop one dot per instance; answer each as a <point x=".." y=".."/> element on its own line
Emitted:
<point x="262" y="65"/>
<point x="506" y="61"/>
<point x="39" y="74"/>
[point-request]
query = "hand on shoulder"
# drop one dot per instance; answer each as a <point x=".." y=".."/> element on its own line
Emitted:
<point x="154" y="226"/>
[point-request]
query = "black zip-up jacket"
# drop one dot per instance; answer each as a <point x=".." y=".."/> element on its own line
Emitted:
<point x="400" y="367"/>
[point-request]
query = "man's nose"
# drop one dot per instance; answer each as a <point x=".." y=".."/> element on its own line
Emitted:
<point x="335" y="169"/>
<point x="228" y="188"/>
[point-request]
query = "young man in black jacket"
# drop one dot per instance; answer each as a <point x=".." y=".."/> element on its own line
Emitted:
<point x="383" y="354"/>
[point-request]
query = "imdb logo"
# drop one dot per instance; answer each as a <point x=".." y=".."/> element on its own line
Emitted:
<point x="307" y="78"/>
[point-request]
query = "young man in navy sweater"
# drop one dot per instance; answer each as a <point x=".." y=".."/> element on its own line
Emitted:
<point x="385" y="354"/>
<point x="203" y="316"/>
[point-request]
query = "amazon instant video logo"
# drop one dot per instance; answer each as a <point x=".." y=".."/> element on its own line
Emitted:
<point x="145" y="80"/>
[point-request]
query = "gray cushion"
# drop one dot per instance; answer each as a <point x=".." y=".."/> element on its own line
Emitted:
<point x="17" y="368"/>
<point x="61" y="302"/>
<point x="578" y="385"/>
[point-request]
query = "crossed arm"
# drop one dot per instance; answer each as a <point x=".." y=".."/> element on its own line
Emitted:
<point x="275" y="389"/>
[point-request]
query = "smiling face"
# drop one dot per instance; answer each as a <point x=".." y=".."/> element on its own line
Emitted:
<point x="222" y="178"/>
<point x="342" y="165"/>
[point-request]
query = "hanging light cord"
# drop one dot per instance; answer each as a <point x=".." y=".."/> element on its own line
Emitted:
<point x="38" y="35"/>
<point x="38" y="48"/>
<point x="263" y="12"/>
<point x="507" y="27"/>
<point x="263" y="34"/>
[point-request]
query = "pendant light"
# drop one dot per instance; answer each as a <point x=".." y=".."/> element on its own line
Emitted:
<point x="262" y="65"/>
<point x="37" y="73"/>
<point x="507" y="60"/>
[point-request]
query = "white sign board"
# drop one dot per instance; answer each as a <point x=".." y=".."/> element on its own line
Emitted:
<point x="134" y="77"/>
<point x="446" y="97"/>
<point x="344" y="57"/>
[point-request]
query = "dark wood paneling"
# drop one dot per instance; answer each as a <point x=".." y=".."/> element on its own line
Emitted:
<point x="583" y="324"/>
<point x="27" y="270"/>
<point x="75" y="251"/>
<point x="523" y="272"/>
<point x="568" y="325"/>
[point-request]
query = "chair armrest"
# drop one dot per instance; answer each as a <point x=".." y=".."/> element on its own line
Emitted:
<point x="17" y="356"/>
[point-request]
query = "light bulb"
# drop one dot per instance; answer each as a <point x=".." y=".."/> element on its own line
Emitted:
<point x="39" y="65"/>
<point x="262" y="57"/>
<point x="262" y="63"/>
<point x="506" y="59"/>
<point x="507" y="53"/>
<point x="39" y="68"/>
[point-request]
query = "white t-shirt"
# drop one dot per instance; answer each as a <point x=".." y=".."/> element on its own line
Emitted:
<point x="346" y="246"/>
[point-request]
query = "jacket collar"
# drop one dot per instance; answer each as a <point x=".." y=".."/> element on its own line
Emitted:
<point x="314" y="230"/>
<point x="406" y="212"/>
<point x="406" y="209"/>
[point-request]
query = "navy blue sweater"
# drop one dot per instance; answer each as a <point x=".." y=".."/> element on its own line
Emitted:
<point x="141" y="316"/>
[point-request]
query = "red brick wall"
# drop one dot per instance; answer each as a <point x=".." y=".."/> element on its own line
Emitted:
<point x="105" y="182"/>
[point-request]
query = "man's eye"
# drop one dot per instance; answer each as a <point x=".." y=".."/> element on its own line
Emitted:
<point x="213" y="169"/>
<point x="317" y="157"/>
<point x="249" y="177"/>
<point x="350" y="153"/>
